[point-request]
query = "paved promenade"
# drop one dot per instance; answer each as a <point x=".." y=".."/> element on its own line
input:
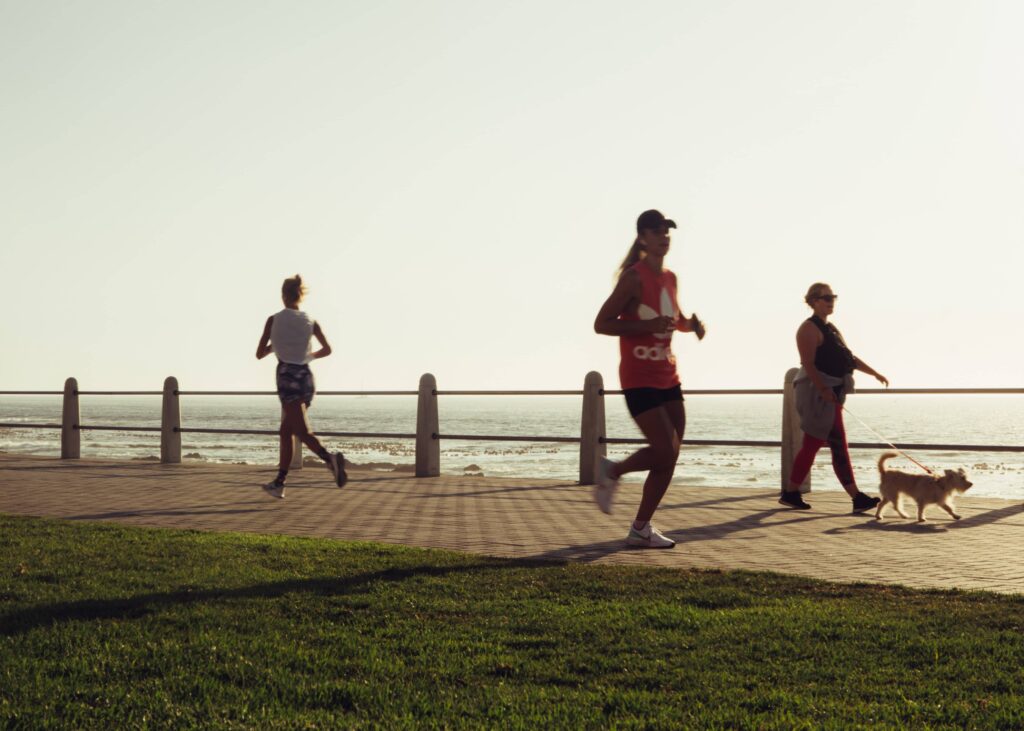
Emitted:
<point x="717" y="528"/>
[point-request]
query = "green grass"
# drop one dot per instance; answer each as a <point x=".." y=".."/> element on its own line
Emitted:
<point x="116" y="627"/>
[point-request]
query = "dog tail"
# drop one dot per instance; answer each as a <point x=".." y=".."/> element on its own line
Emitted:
<point x="883" y="459"/>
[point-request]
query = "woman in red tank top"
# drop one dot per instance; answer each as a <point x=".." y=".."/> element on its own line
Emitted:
<point x="643" y="312"/>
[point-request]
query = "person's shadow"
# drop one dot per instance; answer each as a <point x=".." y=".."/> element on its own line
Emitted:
<point x="25" y="620"/>
<point x="711" y="532"/>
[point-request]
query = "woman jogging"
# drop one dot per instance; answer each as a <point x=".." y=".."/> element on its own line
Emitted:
<point x="643" y="312"/>
<point x="288" y="335"/>
<point x="820" y="388"/>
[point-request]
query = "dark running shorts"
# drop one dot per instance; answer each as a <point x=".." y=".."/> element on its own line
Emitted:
<point x="639" y="400"/>
<point x="295" y="383"/>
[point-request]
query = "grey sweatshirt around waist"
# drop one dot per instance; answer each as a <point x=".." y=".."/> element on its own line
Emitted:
<point x="816" y="414"/>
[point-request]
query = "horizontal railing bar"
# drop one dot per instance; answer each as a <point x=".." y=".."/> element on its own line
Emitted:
<point x="851" y="445"/>
<point x="200" y="430"/>
<point x="31" y="426"/>
<point x="91" y="427"/>
<point x="606" y="392"/>
<point x="521" y="438"/>
<point x="941" y="390"/>
<point x="225" y="393"/>
<point x="274" y="432"/>
<point x="506" y="438"/>
<point x="940" y="447"/>
<point x="778" y="391"/>
<point x="374" y="434"/>
<point x="696" y="442"/>
<point x="509" y="393"/>
<point x="719" y="392"/>
<point x="318" y="393"/>
<point x="366" y="393"/>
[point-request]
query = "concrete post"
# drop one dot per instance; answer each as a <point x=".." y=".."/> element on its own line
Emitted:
<point x="296" y="447"/>
<point x="792" y="435"/>
<point x="70" y="436"/>
<point x="170" y="423"/>
<point x="592" y="428"/>
<point x="428" y="446"/>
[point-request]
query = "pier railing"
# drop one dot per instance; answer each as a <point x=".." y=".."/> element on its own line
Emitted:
<point x="592" y="438"/>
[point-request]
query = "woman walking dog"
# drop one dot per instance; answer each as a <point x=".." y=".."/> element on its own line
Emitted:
<point x="288" y="335"/>
<point x="821" y="386"/>
<point x="643" y="312"/>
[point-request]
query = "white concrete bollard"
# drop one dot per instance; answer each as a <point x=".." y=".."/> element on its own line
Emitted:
<point x="592" y="428"/>
<point x="428" y="446"/>
<point x="170" y="423"/>
<point x="792" y="435"/>
<point x="70" y="436"/>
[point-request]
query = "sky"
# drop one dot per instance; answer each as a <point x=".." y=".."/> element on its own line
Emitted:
<point x="457" y="182"/>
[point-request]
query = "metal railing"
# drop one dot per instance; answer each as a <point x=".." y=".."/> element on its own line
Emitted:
<point x="592" y="439"/>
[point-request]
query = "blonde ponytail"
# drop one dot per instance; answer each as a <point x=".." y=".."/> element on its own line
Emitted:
<point x="636" y="253"/>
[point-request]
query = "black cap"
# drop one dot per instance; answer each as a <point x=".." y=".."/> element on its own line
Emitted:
<point x="653" y="219"/>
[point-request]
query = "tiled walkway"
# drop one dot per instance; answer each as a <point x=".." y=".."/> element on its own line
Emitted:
<point x="715" y="527"/>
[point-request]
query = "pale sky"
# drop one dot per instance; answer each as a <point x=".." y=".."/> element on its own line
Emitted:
<point x="457" y="182"/>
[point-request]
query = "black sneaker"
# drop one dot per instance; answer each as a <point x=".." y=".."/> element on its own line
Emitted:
<point x="862" y="502"/>
<point x="337" y="465"/>
<point x="794" y="500"/>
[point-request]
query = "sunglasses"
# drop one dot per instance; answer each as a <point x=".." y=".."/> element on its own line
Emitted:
<point x="830" y="298"/>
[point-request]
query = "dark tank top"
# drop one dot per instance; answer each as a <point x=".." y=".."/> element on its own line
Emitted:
<point x="832" y="356"/>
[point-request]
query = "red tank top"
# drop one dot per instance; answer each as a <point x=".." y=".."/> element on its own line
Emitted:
<point x="647" y="360"/>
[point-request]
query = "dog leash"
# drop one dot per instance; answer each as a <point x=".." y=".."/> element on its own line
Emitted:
<point x="886" y="441"/>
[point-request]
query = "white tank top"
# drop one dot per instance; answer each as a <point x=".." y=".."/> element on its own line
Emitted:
<point x="290" y="336"/>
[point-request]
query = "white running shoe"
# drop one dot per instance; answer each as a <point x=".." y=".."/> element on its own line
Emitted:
<point x="604" y="491"/>
<point x="649" y="537"/>
<point x="274" y="490"/>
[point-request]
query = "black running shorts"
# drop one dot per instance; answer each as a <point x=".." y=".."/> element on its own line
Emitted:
<point x="639" y="400"/>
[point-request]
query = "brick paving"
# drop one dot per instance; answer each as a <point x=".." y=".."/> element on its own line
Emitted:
<point x="718" y="528"/>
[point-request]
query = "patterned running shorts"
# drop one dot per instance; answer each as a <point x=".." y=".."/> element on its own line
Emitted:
<point x="295" y="383"/>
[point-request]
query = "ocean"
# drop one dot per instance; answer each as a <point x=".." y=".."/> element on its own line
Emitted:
<point x="911" y="418"/>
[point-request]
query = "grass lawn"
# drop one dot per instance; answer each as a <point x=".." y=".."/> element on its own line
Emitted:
<point x="106" y="626"/>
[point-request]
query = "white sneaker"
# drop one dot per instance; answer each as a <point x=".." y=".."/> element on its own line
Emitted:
<point x="604" y="491"/>
<point x="274" y="490"/>
<point x="649" y="537"/>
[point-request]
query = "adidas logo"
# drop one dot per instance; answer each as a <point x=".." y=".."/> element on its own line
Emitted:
<point x="668" y="309"/>
<point x="654" y="352"/>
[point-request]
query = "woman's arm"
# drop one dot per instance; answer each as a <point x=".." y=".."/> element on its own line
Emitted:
<point x="325" y="349"/>
<point x="264" y="349"/>
<point x="691" y="324"/>
<point x="860" y="365"/>
<point x="808" y="338"/>
<point x="608" y="322"/>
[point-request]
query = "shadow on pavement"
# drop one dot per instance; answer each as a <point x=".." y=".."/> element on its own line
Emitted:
<point x="195" y="510"/>
<point x="938" y="522"/>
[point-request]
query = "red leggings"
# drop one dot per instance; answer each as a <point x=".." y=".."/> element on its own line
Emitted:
<point x="840" y="454"/>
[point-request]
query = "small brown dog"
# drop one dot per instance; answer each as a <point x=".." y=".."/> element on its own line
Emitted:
<point x="925" y="489"/>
